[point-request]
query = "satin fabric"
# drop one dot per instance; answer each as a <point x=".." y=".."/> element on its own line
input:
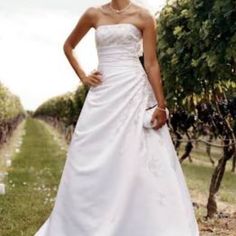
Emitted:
<point x="120" y="179"/>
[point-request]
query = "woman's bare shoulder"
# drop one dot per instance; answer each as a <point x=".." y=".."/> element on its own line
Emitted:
<point x="144" y="13"/>
<point x="91" y="11"/>
<point x="96" y="9"/>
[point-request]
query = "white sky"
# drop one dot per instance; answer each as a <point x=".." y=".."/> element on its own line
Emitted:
<point x="32" y="33"/>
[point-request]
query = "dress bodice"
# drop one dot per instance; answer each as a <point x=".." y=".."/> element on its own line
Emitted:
<point x="119" y="47"/>
<point x="116" y="42"/>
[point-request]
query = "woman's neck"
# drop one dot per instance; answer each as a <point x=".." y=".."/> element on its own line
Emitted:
<point x="119" y="4"/>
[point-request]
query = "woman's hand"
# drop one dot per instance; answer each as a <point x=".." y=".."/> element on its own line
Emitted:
<point x="93" y="79"/>
<point x="159" y="118"/>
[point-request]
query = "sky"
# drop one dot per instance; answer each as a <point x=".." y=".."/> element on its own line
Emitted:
<point x="32" y="60"/>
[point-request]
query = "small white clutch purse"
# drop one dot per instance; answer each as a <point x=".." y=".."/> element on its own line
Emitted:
<point x="148" y="116"/>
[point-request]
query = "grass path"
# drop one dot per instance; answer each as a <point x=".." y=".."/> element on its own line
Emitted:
<point x="32" y="182"/>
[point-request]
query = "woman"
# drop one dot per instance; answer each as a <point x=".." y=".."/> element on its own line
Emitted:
<point x="120" y="178"/>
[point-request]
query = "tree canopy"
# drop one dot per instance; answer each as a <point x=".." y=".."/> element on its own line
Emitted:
<point x="197" y="48"/>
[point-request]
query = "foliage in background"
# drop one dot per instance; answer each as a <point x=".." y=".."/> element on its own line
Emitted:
<point x="11" y="113"/>
<point x="63" y="111"/>
<point x="10" y="105"/>
<point x="197" y="48"/>
<point x="64" y="108"/>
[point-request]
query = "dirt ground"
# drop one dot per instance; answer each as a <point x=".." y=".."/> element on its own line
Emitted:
<point x="224" y="223"/>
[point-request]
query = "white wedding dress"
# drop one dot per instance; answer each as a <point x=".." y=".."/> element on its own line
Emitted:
<point x="120" y="179"/>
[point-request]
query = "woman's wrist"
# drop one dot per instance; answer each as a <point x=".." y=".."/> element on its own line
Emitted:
<point x="82" y="78"/>
<point x="161" y="109"/>
<point x="162" y="105"/>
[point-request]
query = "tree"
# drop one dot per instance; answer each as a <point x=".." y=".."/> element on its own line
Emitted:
<point x="197" y="52"/>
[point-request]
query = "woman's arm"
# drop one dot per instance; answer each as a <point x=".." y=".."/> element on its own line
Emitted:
<point x="86" y="21"/>
<point x="151" y="65"/>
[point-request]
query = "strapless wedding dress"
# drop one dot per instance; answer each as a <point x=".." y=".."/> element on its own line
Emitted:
<point x="120" y="179"/>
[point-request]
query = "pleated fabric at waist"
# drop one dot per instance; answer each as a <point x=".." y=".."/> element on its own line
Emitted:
<point x="114" y="56"/>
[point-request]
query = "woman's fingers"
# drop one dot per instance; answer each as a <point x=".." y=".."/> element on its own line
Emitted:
<point x="160" y="121"/>
<point x="97" y="76"/>
<point x="96" y="80"/>
<point x="96" y="72"/>
<point x="158" y="125"/>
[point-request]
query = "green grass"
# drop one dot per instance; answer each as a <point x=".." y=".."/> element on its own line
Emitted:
<point x="198" y="178"/>
<point x="32" y="182"/>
